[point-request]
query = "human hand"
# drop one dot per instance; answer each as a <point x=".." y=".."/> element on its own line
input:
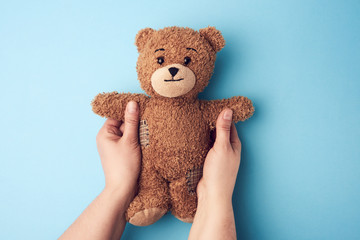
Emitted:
<point x="214" y="218"/>
<point x="119" y="151"/>
<point x="222" y="162"/>
<point x="120" y="156"/>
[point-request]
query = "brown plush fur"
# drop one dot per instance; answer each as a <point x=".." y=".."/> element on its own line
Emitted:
<point x="178" y="127"/>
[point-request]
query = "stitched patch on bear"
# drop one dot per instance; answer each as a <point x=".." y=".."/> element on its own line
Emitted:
<point x="193" y="177"/>
<point x="144" y="133"/>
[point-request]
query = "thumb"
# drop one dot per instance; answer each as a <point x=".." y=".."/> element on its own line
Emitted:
<point x="131" y="122"/>
<point x="223" y="127"/>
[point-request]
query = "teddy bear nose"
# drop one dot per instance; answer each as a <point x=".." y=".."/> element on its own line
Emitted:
<point x="173" y="71"/>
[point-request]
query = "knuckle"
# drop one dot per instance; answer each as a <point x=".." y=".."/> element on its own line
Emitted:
<point x="99" y="137"/>
<point x="131" y="121"/>
<point x="237" y="147"/>
<point x="112" y="130"/>
<point x="200" y="188"/>
<point x="236" y="143"/>
<point x="224" y="127"/>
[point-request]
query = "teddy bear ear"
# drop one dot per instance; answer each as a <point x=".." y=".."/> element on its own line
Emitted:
<point x="214" y="37"/>
<point x="142" y="37"/>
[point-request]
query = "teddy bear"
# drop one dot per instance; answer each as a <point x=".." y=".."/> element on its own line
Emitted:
<point x="174" y="65"/>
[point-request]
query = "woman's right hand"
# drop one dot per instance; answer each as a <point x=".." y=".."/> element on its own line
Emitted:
<point x="222" y="162"/>
<point x="214" y="218"/>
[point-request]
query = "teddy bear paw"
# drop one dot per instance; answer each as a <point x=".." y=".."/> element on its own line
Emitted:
<point x="147" y="216"/>
<point x="185" y="219"/>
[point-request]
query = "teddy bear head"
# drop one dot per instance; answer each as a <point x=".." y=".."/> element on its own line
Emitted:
<point x="176" y="62"/>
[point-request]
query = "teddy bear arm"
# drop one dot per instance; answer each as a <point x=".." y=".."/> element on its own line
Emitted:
<point x="112" y="105"/>
<point x="242" y="109"/>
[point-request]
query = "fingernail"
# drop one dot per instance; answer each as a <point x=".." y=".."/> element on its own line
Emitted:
<point x="131" y="107"/>
<point x="228" y="115"/>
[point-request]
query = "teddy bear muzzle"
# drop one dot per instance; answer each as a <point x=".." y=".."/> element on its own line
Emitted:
<point x="173" y="80"/>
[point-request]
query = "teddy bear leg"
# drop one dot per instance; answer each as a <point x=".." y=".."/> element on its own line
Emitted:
<point x="152" y="201"/>
<point x="183" y="199"/>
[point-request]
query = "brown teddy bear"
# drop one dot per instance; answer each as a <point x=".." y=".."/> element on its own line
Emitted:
<point x="174" y="66"/>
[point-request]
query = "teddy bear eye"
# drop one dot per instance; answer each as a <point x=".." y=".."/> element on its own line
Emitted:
<point x="187" y="60"/>
<point x="160" y="60"/>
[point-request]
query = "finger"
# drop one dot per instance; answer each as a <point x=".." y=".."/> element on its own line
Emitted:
<point x="112" y="126"/>
<point x="234" y="138"/>
<point x="112" y="122"/>
<point x="223" y="126"/>
<point x="113" y="131"/>
<point x="110" y="129"/>
<point x="122" y="127"/>
<point x="131" y="122"/>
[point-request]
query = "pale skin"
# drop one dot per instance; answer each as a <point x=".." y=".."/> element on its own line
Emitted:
<point x="120" y="156"/>
<point x="214" y="218"/>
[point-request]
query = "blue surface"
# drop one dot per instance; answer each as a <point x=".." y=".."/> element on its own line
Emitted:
<point x="299" y="61"/>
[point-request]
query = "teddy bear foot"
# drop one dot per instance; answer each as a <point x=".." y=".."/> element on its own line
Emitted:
<point x="186" y="219"/>
<point x="147" y="216"/>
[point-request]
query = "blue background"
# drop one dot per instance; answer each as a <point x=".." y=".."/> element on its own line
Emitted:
<point x="299" y="61"/>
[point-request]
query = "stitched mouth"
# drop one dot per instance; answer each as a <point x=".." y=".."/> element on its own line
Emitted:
<point x="173" y="80"/>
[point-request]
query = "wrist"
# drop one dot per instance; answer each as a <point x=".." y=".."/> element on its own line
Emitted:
<point x="120" y="194"/>
<point x="214" y="202"/>
<point x="213" y="195"/>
